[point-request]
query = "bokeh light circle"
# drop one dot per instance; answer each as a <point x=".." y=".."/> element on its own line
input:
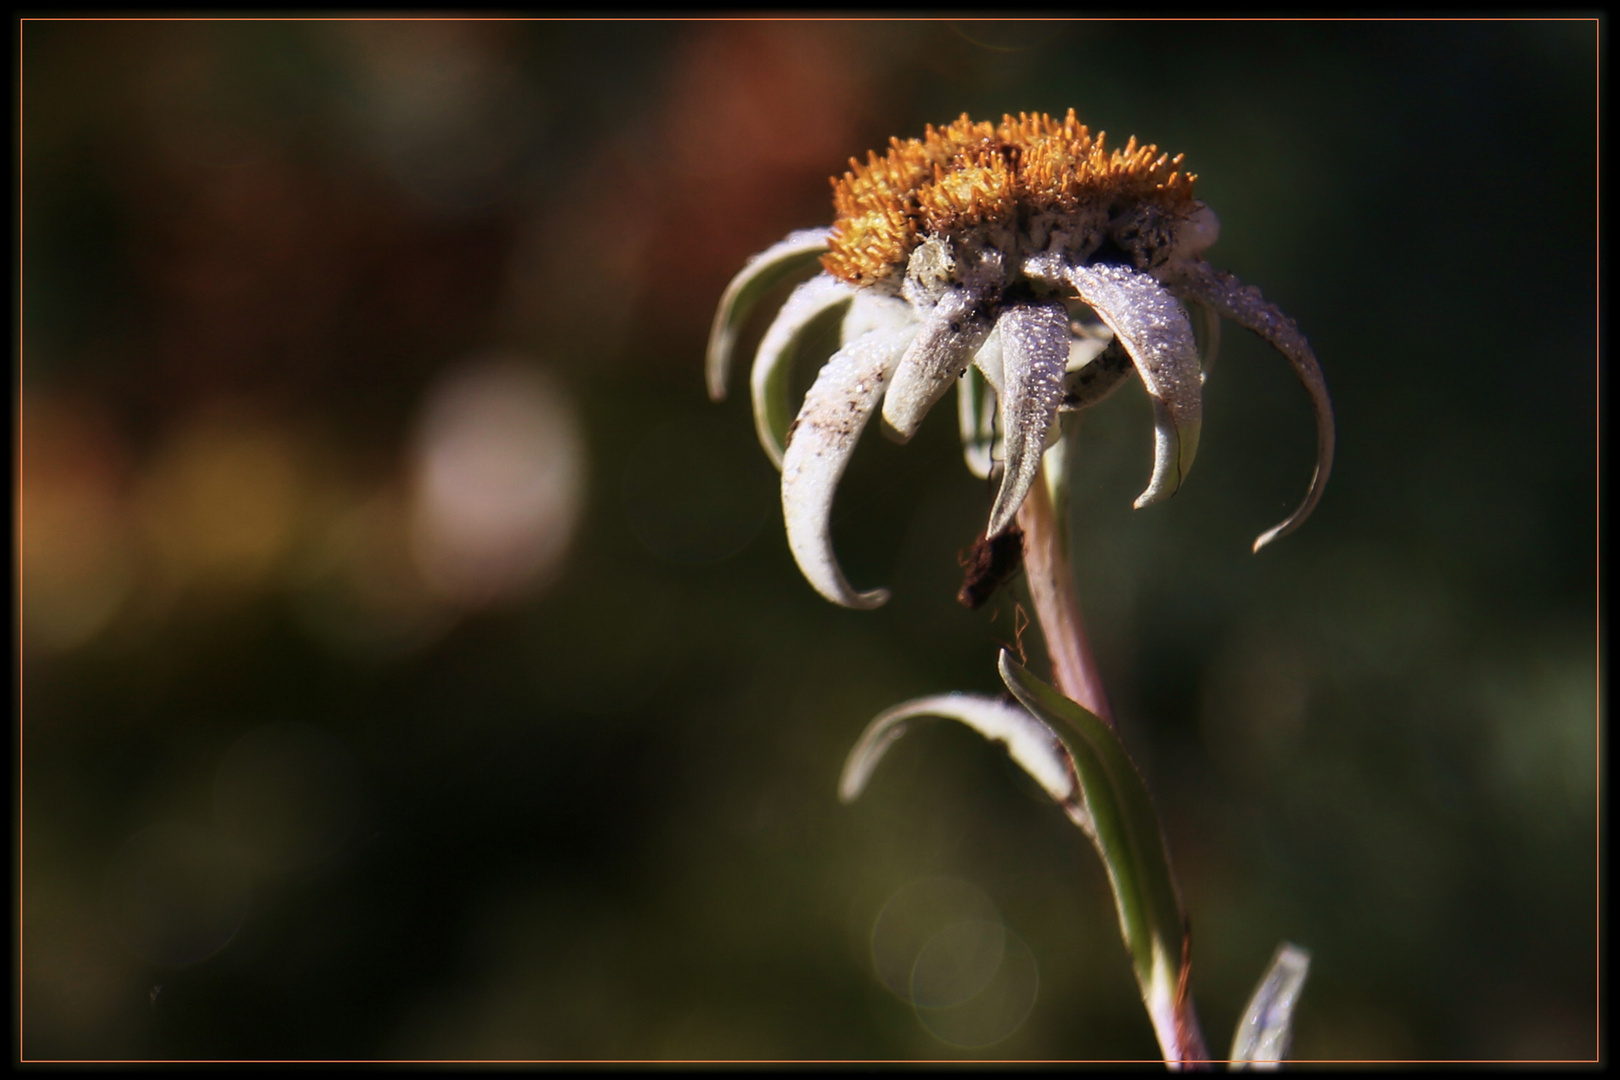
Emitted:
<point x="498" y="480"/>
<point x="911" y="919"/>
<point x="1004" y="1002"/>
<point x="957" y="963"/>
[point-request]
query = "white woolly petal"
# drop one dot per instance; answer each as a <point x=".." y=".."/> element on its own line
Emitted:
<point x="1168" y="449"/>
<point x="1153" y="327"/>
<point x="1246" y="307"/>
<point x="1035" y="352"/>
<point x="797" y="252"/>
<point x="1029" y="742"/>
<point x="988" y="358"/>
<point x="875" y="311"/>
<point x="820" y="443"/>
<point x="772" y="372"/>
<point x="945" y="345"/>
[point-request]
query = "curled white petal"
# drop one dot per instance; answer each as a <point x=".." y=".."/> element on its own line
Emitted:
<point x="820" y="442"/>
<point x="773" y="363"/>
<point x="875" y="311"/>
<point x="1153" y="327"/>
<point x="1246" y="307"/>
<point x="950" y="335"/>
<point x="1035" y="353"/>
<point x="988" y="359"/>
<point x="792" y="254"/>
<point x="1029" y="742"/>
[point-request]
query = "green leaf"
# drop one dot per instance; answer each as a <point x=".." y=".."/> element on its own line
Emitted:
<point x="1126" y="832"/>
<point x="1267" y="1027"/>
<point x="762" y="273"/>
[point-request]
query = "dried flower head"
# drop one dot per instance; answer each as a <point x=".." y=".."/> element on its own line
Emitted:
<point x="978" y="250"/>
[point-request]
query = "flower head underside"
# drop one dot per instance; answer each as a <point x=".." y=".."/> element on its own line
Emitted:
<point x="979" y="250"/>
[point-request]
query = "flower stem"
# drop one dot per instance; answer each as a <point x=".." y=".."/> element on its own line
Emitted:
<point x="1057" y="609"/>
<point x="1074" y="670"/>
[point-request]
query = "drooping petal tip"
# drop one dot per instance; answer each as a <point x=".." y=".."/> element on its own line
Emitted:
<point x="1174" y="447"/>
<point x="1245" y="306"/>
<point x="1035" y="355"/>
<point x="841" y="401"/>
<point x="1153" y="327"/>
<point x="1297" y="518"/>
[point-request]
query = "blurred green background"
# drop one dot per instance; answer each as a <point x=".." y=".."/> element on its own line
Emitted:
<point x="413" y="665"/>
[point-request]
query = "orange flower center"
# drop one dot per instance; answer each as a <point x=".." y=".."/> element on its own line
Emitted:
<point x="968" y="175"/>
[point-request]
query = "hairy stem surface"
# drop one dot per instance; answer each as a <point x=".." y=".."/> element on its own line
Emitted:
<point x="1051" y="585"/>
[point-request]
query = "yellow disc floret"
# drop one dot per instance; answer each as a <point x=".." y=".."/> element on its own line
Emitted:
<point x="969" y="175"/>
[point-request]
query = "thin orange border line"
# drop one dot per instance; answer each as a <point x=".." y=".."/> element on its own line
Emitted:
<point x="1597" y="758"/>
<point x="17" y="539"/>
<point x="785" y="1061"/>
<point x="796" y="1061"/>
<point x="811" y="18"/>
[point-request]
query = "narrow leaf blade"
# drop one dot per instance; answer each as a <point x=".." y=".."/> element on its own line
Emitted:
<point x="1267" y="1027"/>
<point x="1029" y="742"/>
<point x="1126" y="832"/>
